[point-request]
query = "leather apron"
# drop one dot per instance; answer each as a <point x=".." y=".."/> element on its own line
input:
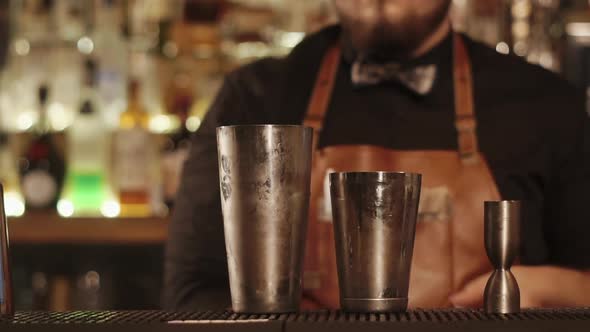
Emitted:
<point x="449" y="246"/>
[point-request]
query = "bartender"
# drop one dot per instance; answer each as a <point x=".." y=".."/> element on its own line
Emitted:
<point x="394" y="88"/>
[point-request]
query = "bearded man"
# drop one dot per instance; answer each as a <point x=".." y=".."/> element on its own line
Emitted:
<point x="394" y="88"/>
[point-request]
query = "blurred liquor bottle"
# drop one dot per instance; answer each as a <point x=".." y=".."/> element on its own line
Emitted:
<point x="532" y="29"/>
<point x="73" y="24"/>
<point x="86" y="294"/>
<point x="478" y="19"/>
<point x="65" y="77"/>
<point x="30" y="35"/>
<point x="34" y="20"/>
<point x="39" y="290"/>
<point x="111" y="50"/>
<point x="87" y="191"/>
<point x="13" y="200"/>
<point x="203" y="11"/>
<point x="70" y="18"/>
<point x="194" y="41"/>
<point x="546" y="32"/>
<point x="133" y="158"/>
<point x="576" y="66"/>
<point x="43" y="168"/>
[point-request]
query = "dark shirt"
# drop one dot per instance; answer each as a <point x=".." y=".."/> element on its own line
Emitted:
<point x="531" y="125"/>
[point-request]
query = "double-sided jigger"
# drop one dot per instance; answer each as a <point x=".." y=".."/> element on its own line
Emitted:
<point x="502" y="237"/>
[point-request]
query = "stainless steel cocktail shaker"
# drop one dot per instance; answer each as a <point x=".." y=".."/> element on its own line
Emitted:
<point x="374" y="227"/>
<point x="264" y="176"/>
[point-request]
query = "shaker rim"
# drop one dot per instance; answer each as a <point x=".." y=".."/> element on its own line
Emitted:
<point x="503" y="202"/>
<point x="374" y="175"/>
<point x="264" y="125"/>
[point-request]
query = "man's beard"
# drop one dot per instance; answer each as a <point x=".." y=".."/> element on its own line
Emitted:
<point x="385" y="40"/>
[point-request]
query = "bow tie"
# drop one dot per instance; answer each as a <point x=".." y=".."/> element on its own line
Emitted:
<point x="418" y="79"/>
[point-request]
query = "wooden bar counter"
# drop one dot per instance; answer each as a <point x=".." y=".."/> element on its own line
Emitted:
<point x="46" y="228"/>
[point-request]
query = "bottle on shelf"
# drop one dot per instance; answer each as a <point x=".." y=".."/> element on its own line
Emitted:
<point x="87" y="191"/>
<point x="87" y="292"/>
<point x="69" y="18"/>
<point x="543" y="38"/>
<point x="40" y="290"/>
<point x="134" y="158"/>
<point x="34" y="20"/>
<point x="111" y="50"/>
<point x="43" y="168"/>
<point x="14" y="204"/>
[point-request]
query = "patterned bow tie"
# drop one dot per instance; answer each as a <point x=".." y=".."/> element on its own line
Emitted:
<point x="418" y="79"/>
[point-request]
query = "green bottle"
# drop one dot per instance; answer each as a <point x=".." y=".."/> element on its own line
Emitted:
<point x="87" y="191"/>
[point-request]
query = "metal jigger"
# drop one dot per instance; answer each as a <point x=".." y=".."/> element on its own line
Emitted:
<point x="502" y="236"/>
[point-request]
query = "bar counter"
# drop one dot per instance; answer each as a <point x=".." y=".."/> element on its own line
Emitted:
<point x="49" y="228"/>
<point x="574" y="319"/>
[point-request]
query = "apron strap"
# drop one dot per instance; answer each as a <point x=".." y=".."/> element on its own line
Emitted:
<point x="465" y="121"/>
<point x="322" y="90"/>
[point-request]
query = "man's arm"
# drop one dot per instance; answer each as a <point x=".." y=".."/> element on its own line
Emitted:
<point x="565" y="281"/>
<point x="567" y="222"/>
<point x="195" y="276"/>
<point x="195" y="266"/>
